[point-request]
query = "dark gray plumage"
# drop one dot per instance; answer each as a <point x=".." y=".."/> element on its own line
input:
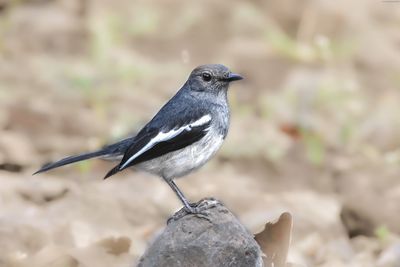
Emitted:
<point x="182" y="136"/>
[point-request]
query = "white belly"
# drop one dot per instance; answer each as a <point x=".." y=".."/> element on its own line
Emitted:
<point x="185" y="160"/>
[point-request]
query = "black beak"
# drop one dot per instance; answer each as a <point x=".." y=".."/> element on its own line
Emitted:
<point x="233" y="77"/>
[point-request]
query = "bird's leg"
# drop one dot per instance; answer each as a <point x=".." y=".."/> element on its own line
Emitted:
<point x="179" y="193"/>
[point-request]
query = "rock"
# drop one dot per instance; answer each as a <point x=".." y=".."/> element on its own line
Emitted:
<point x="15" y="149"/>
<point x="390" y="257"/>
<point x="52" y="256"/>
<point x="116" y="246"/>
<point x="216" y="238"/>
<point x="368" y="202"/>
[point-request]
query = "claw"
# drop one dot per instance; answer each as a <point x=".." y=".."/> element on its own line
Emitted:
<point x="198" y="212"/>
<point x="191" y="208"/>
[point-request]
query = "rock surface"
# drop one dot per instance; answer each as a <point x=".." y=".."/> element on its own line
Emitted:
<point x="215" y="238"/>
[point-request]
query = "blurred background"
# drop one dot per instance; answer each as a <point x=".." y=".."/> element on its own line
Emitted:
<point x="315" y="125"/>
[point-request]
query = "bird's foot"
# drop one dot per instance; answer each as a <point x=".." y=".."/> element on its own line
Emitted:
<point x="196" y="209"/>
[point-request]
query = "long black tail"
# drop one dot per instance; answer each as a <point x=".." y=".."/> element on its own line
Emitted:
<point x="110" y="150"/>
<point x="71" y="159"/>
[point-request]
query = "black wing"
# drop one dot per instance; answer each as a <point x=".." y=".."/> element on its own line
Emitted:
<point x="152" y="143"/>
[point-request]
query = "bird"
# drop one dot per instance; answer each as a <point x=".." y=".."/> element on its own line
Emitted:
<point x="183" y="135"/>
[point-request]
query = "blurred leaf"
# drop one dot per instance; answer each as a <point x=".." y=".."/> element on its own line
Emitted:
<point x="395" y="78"/>
<point x="315" y="150"/>
<point x="382" y="232"/>
<point x="264" y="106"/>
<point x="129" y="73"/>
<point x="102" y="39"/>
<point x="283" y="43"/>
<point x="145" y="22"/>
<point x="392" y="157"/>
<point x="346" y="132"/>
<point x="274" y="241"/>
<point x="321" y="49"/>
<point x="84" y="166"/>
<point x="81" y="82"/>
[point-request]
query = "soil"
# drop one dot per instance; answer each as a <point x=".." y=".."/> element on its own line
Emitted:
<point x="315" y="125"/>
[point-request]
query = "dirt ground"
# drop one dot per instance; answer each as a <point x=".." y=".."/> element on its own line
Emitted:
<point x="315" y="125"/>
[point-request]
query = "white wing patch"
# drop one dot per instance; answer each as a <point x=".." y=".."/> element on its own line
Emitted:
<point x="161" y="137"/>
<point x="203" y="120"/>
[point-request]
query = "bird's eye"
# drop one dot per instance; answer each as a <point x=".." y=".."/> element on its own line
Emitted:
<point x="206" y="76"/>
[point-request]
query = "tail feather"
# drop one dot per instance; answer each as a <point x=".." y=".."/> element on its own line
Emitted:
<point x="113" y="150"/>
<point x="71" y="159"/>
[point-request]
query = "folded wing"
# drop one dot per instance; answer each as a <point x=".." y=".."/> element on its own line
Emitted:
<point x="152" y="143"/>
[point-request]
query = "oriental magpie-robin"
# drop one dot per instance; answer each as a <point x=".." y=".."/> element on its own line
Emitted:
<point x="182" y="136"/>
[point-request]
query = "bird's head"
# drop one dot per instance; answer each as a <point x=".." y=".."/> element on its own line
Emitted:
<point x="212" y="78"/>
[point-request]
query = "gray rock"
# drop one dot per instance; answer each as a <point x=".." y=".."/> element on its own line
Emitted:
<point x="214" y="238"/>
